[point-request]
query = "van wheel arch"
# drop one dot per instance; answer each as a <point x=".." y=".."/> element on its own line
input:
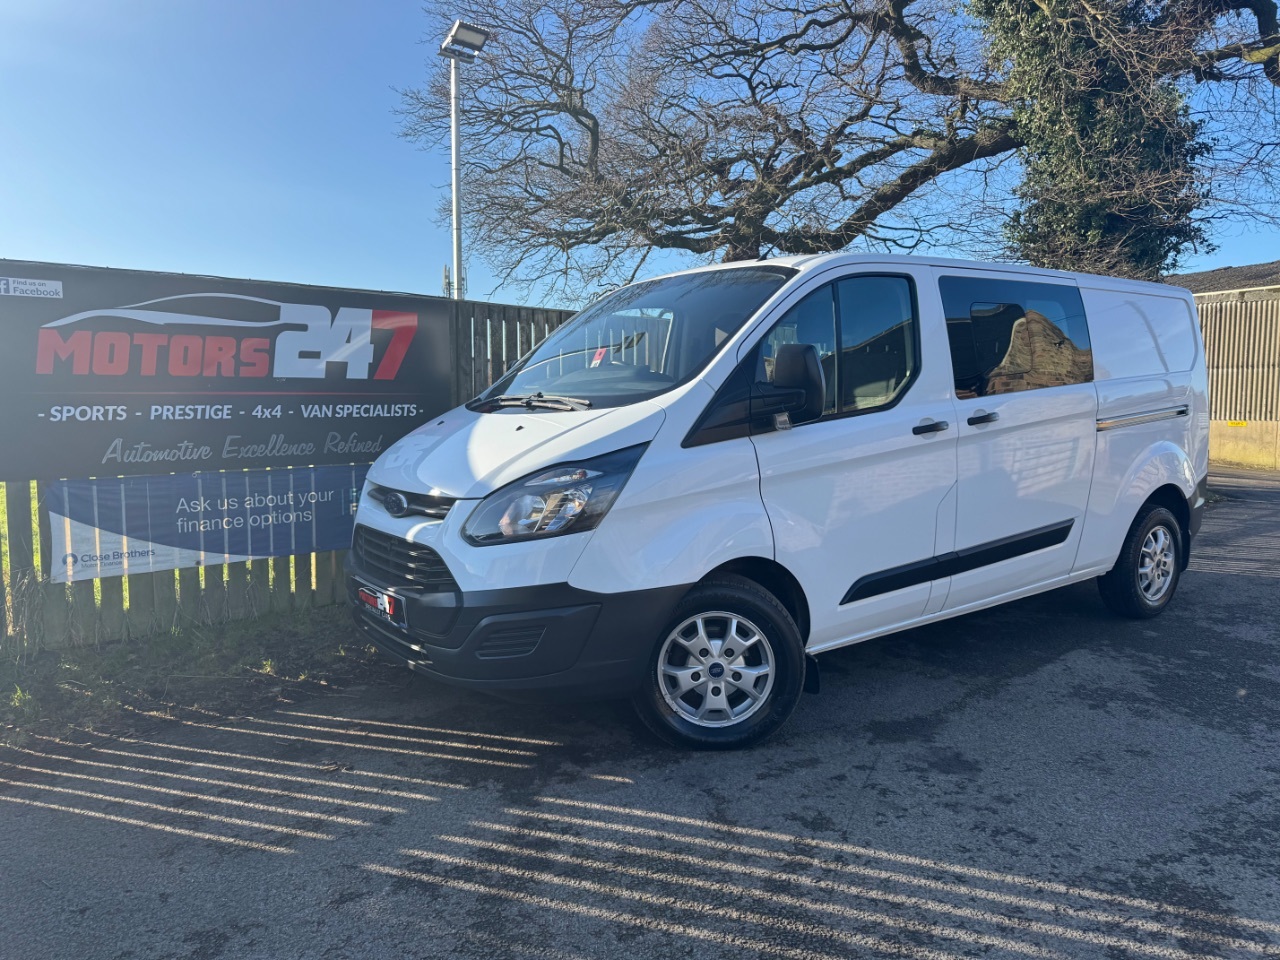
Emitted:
<point x="1175" y="501"/>
<point x="775" y="578"/>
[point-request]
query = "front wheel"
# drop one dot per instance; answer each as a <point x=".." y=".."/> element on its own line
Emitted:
<point x="1146" y="573"/>
<point x="727" y="670"/>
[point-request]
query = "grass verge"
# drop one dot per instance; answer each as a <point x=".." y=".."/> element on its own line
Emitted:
<point x="230" y="667"/>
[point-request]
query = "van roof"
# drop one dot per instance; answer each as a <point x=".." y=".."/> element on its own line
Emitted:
<point x="809" y="262"/>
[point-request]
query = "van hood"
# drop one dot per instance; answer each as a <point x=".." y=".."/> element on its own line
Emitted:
<point x="468" y="455"/>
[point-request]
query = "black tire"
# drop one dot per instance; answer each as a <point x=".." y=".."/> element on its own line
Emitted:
<point x="1125" y="590"/>
<point x="771" y="668"/>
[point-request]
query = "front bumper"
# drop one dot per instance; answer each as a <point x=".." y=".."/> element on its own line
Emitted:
<point x="551" y="637"/>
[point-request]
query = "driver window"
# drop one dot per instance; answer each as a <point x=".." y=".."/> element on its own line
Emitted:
<point x="812" y="320"/>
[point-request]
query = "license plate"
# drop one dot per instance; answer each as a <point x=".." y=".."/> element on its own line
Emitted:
<point x="385" y="605"/>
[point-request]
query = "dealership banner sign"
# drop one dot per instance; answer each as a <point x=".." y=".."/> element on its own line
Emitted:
<point x="120" y="372"/>
<point x="134" y="525"/>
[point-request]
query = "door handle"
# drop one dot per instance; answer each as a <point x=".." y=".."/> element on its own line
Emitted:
<point x="937" y="426"/>
<point x="978" y="418"/>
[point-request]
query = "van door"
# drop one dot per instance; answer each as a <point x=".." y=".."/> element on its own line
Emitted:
<point x="1026" y="412"/>
<point x="854" y="497"/>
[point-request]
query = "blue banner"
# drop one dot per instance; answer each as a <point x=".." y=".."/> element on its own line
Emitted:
<point x="106" y="528"/>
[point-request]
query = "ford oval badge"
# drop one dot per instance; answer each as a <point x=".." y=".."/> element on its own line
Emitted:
<point x="395" y="503"/>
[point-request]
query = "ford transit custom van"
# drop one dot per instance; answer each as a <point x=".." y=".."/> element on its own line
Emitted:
<point x="701" y="481"/>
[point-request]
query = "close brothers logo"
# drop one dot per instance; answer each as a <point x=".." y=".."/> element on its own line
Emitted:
<point x="301" y="340"/>
<point x="69" y="560"/>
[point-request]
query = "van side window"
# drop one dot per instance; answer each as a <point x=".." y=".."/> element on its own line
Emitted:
<point x="1013" y="335"/>
<point x="877" y="340"/>
<point x="865" y="330"/>
<point x="812" y="320"/>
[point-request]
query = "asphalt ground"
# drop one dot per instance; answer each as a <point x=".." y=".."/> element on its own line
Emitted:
<point x="1038" y="780"/>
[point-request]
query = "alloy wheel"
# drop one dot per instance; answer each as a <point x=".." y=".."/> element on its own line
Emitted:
<point x="716" y="669"/>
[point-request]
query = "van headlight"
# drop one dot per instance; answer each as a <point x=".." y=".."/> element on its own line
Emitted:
<point x="567" y="498"/>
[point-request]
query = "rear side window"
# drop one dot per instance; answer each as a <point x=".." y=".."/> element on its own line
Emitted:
<point x="865" y="330"/>
<point x="1140" y="335"/>
<point x="1011" y="335"/>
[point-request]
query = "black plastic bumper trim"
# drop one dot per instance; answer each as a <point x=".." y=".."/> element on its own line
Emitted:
<point x="598" y="643"/>
<point x="1195" y="512"/>
<point x="1195" y="505"/>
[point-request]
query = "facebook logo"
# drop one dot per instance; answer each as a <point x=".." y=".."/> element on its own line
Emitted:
<point x="4" y="286"/>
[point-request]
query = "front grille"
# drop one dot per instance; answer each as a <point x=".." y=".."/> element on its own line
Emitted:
<point x="435" y="506"/>
<point x="510" y="642"/>
<point x="399" y="563"/>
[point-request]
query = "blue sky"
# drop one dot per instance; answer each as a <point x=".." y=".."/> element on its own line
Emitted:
<point x="240" y="138"/>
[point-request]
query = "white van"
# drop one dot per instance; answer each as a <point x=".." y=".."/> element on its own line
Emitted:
<point x="704" y="479"/>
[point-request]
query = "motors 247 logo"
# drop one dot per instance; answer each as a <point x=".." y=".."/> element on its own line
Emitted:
<point x="254" y="338"/>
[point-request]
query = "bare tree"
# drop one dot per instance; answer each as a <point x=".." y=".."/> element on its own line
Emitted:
<point x="598" y="130"/>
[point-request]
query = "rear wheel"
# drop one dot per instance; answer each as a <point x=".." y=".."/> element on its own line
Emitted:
<point x="727" y="671"/>
<point x="1147" y="571"/>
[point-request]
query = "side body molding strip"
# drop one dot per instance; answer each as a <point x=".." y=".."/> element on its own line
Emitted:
<point x="1133" y="419"/>
<point x="961" y="561"/>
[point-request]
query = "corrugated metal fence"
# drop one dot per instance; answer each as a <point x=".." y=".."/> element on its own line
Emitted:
<point x="488" y="340"/>
<point x="1242" y="349"/>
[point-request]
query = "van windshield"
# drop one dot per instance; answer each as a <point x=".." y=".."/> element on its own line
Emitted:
<point x="638" y="341"/>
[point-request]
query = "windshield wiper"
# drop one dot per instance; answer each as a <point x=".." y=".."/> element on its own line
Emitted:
<point x="540" y="399"/>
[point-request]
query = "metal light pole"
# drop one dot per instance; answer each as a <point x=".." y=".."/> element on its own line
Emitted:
<point x="461" y="45"/>
<point x="457" y="179"/>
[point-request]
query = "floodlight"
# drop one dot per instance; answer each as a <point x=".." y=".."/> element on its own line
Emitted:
<point x="463" y="41"/>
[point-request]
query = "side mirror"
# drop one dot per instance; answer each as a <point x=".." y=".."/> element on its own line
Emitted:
<point x="798" y="371"/>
